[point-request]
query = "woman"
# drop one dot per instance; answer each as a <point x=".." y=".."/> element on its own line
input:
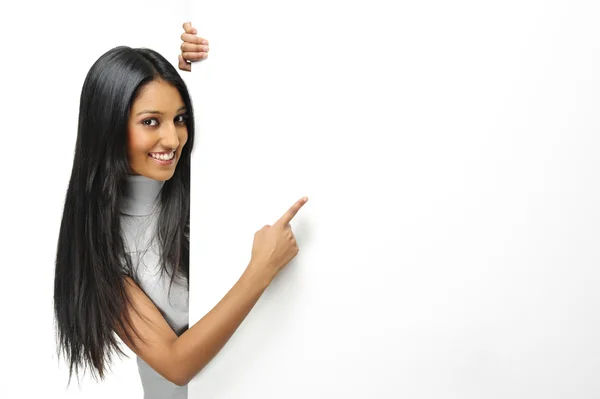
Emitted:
<point x="122" y="263"/>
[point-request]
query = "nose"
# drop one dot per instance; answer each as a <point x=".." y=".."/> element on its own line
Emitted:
<point x="169" y="137"/>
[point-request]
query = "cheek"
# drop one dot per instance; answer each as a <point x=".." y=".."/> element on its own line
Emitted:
<point x="183" y="136"/>
<point x="139" y="143"/>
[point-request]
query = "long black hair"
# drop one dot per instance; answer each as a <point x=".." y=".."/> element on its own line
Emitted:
<point x="91" y="262"/>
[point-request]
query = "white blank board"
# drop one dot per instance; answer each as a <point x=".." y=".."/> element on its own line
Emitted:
<point x="449" y="150"/>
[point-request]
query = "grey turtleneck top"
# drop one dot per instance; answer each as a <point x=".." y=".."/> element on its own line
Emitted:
<point x="139" y="211"/>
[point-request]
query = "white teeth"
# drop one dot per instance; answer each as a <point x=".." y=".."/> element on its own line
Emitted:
<point x="163" y="157"/>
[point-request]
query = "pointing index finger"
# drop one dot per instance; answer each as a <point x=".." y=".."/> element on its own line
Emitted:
<point x="289" y="215"/>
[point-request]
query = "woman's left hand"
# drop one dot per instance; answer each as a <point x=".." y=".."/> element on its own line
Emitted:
<point x="193" y="48"/>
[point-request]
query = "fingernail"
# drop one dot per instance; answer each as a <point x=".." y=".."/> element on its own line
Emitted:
<point x="204" y="42"/>
<point x="206" y="48"/>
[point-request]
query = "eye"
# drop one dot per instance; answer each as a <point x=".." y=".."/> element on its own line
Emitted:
<point x="181" y="119"/>
<point x="184" y="118"/>
<point x="148" y="120"/>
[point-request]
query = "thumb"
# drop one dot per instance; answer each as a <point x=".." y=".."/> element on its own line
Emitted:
<point x="184" y="65"/>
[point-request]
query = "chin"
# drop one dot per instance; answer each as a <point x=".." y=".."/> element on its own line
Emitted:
<point x="155" y="172"/>
<point x="164" y="176"/>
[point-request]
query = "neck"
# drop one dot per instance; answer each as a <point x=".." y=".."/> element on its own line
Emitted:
<point x="141" y="195"/>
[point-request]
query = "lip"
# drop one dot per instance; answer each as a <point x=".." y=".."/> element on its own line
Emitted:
<point x="160" y="161"/>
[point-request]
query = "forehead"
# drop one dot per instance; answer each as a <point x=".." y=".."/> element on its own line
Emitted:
<point x="158" y="94"/>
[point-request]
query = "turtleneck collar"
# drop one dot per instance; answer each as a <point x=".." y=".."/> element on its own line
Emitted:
<point x="141" y="195"/>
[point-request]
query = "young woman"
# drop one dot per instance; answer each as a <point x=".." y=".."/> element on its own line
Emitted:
<point x="122" y="263"/>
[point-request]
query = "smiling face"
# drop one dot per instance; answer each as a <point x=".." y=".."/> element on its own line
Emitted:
<point x="157" y="131"/>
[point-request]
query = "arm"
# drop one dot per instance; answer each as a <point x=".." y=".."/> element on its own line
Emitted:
<point x="179" y="359"/>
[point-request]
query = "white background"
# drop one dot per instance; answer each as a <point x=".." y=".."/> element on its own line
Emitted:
<point x="449" y="151"/>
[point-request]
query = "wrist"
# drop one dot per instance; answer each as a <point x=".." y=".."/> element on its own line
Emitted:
<point x="257" y="273"/>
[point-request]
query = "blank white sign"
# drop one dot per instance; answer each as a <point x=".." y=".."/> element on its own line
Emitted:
<point x="449" y="150"/>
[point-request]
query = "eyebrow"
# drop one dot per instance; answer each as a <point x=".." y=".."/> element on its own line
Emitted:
<point x="151" y="111"/>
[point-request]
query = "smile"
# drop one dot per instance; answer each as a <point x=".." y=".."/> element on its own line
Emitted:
<point x="163" y="158"/>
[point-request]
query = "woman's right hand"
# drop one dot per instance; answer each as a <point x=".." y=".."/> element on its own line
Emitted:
<point x="275" y="246"/>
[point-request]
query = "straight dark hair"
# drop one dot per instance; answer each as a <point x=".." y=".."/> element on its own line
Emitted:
<point x="90" y="297"/>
